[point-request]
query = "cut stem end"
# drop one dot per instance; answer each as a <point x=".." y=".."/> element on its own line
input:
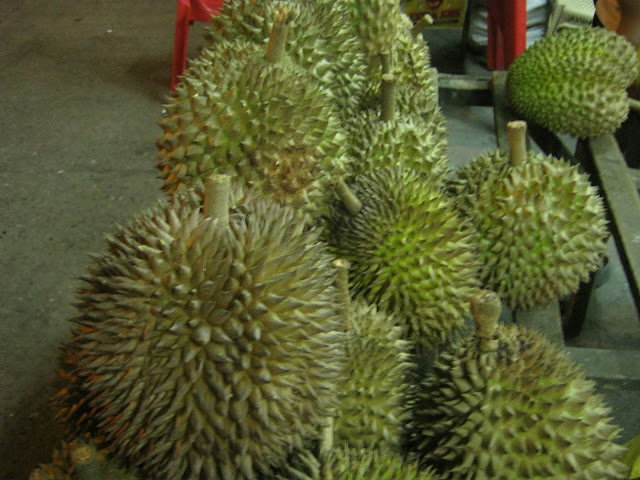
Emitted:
<point x="517" y="141"/>
<point x="485" y="310"/>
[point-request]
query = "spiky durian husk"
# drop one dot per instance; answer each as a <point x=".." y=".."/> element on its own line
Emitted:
<point x="263" y="123"/>
<point x="320" y="40"/>
<point x="410" y="252"/>
<point x="81" y="459"/>
<point x="542" y="226"/>
<point x="410" y="65"/>
<point x="378" y="23"/>
<point x="407" y="141"/>
<point x="522" y="411"/>
<point x="354" y="464"/>
<point x="574" y="81"/>
<point x="372" y="410"/>
<point x="206" y="349"/>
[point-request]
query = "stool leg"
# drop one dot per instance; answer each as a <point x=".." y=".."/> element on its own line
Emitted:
<point x="495" y="39"/>
<point x="514" y="29"/>
<point x="180" y="41"/>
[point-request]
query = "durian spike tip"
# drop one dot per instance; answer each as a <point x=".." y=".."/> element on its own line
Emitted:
<point x="517" y="130"/>
<point x="485" y="310"/>
<point x="217" y="189"/>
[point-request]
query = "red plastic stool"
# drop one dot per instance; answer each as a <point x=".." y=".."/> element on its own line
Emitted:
<point x="189" y="11"/>
<point x="506" y="32"/>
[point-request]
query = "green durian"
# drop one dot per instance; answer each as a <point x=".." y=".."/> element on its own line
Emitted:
<point x="378" y="24"/>
<point x="574" y="81"/>
<point x="320" y="41"/>
<point x="410" y="251"/>
<point x="385" y="137"/>
<point x="541" y="224"/>
<point x="81" y="459"/>
<point x="258" y="118"/>
<point x="409" y="62"/>
<point x="504" y="404"/>
<point x="374" y="389"/>
<point x="209" y="340"/>
<point x="354" y="464"/>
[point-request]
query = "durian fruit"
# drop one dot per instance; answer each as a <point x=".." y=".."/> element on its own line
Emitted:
<point x="320" y="40"/>
<point x="258" y="118"/>
<point x="574" y="81"/>
<point x="541" y="224"/>
<point x="410" y="64"/>
<point x="209" y="339"/>
<point x="385" y="137"/>
<point x="504" y="404"/>
<point x="410" y="252"/>
<point x="82" y="459"/>
<point x="378" y="23"/>
<point x="372" y="396"/>
<point x="354" y="464"/>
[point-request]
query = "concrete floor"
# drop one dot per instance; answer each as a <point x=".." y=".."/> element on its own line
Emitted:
<point x="82" y="86"/>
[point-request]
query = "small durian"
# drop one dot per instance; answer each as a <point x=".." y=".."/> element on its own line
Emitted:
<point x="320" y="40"/>
<point x="372" y="396"/>
<point x="574" y="81"/>
<point x="391" y="135"/>
<point x="411" y="254"/>
<point x="81" y="459"/>
<point x="542" y="226"/>
<point x="256" y="117"/>
<point x="504" y="404"/>
<point x="209" y="340"/>
<point x="354" y="464"/>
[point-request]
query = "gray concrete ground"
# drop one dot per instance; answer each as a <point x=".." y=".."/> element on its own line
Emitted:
<point x="81" y="88"/>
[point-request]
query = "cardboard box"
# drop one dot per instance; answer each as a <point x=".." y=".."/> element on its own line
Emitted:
<point x="445" y="13"/>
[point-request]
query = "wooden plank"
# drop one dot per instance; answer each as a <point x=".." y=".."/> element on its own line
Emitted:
<point x="549" y="142"/>
<point x="544" y="320"/>
<point x="608" y="364"/>
<point x="464" y="90"/>
<point x="608" y="169"/>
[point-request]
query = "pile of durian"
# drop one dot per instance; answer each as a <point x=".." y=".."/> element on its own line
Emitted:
<point x="269" y="318"/>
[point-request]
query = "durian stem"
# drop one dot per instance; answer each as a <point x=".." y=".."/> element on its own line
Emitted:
<point x="85" y="460"/>
<point x="217" y="189"/>
<point x="421" y="24"/>
<point x="517" y="141"/>
<point x="385" y="63"/>
<point x="342" y="280"/>
<point x="388" y="97"/>
<point x="278" y="38"/>
<point x="353" y="204"/>
<point x="485" y="310"/>
<point x="634" y="104"/>
<point x="326" y="443"/>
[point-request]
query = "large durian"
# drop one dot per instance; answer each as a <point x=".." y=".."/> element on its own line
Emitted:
<point x="541" y="224"/>
<point x="574" y="81"/>
<point x="209" y="340"/>
<point x="410" y="251"/>
<point x="354" y="464"/>
<point x="504" y="404"/>
<point x="257" y="117"/>
<point x="82" y="459"/>
<point x="396" y="134"/>
<point x="372" y="395"/>
<point x="320" y="40"/>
